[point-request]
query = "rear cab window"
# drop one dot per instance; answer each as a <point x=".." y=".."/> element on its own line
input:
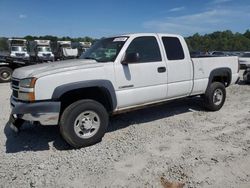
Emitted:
<point x="173" y="48"/>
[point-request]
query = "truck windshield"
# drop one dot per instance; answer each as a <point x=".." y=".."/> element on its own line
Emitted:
<point x="44" y="49"/>
<point x="105" y="50"/>
<point x="19" y="49"/>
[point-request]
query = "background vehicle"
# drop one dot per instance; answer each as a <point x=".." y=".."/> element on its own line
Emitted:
<point x="84" y="46"/>
<point x="63" y="50"/>
<point x="40" y="51"/>
<point x="246" y="74"/>
<point x="5" y="71"/>
<point x="244" y="60"/>
<point x="16" y="56"/>
<point x="218" y="53"/>
<point x="81" y="46"/>
<point x="18" y="50"/>
<point x="116" y="75"/>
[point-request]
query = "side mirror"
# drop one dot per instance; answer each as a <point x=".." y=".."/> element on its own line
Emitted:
<point x="131" y="58"/>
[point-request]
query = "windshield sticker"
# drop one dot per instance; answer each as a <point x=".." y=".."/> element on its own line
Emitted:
<point x="120" y="39"/>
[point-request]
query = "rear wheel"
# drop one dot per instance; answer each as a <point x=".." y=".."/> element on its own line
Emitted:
<point x="5" y="74"/>
<point x="246" y="76"/>
<point x="215" y="96"/>
<point x="84" y="123"/>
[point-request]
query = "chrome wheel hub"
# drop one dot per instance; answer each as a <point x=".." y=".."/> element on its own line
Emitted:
<point x="5" y="75"/>
<point x="87" y="124"/>
<point x="218" y="97"/>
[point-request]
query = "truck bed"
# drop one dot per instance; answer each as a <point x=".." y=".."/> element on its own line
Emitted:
<point x="204" y="66"/>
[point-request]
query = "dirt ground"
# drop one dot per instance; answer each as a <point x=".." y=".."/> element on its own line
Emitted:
<point x="178" y="141"/>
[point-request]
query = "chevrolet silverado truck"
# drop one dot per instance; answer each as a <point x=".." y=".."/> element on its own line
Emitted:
<point x="116" y="75"/>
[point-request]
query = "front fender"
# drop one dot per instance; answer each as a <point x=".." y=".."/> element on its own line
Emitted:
<point x="105" y="85"/>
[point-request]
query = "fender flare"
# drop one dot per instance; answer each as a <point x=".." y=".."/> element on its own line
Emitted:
<point x="104" y="85"/>
<point x="224" y="71"/>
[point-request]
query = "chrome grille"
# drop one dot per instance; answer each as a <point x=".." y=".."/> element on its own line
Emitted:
<point x="46" y="55"/>
<point x="20" y="54"/>
<point x="15" y="87"/>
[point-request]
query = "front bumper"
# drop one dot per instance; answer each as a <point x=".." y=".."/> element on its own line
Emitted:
<point x="45" y="58"/>
<point x="46" y="113"/>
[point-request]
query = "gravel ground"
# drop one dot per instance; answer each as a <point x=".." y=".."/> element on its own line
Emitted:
<point x="178" y="141"/>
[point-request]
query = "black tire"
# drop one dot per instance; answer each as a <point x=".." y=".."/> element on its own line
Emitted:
<point x="246" y="76"/>
<point x="70" y="116"/>
<point x="5" y="74"/>
<point x="211" y="100"/>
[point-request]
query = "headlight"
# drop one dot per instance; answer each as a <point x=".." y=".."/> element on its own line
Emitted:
<point x="28" y="82"/>
<point x="24" y="96"/>
<point x="26" y="89"/>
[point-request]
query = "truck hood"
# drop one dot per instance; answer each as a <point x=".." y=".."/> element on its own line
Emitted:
<point x="54" y="67"/>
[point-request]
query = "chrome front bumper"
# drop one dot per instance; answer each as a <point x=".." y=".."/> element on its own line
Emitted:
<point x="46" y="113"/>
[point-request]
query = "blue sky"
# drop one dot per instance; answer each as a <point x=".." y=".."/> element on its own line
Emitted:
<point x="97" y="18"/>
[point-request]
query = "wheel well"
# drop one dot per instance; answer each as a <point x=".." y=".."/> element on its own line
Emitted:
<point x="223" y="75"/>
<point x="223" y="79"/>
<point x="98" y="94"/>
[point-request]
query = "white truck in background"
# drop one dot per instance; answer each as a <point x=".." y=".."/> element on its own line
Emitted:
<point x="84" y="46"/>
<point x="116" y="75"/>
<point x="40" y="51"/>
<point x="18" y="50"/>
<point x="63" y="50"/>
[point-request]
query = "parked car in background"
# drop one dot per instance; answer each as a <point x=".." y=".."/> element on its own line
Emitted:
<point x="244" y="60"/>
<point x="197" y="54"/>
<point x="40" y="51"/>
<point x="246" y="75"/>
<point x="63" y="50"/>
<point x="82" y="47"/>
<point x="16" y="56"/>
<point x="218" y="53"/>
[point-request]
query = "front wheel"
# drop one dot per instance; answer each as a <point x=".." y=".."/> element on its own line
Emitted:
<point x="84" y="123"/>
<point x="215" y="96"/>
<point x="5" y="74"/>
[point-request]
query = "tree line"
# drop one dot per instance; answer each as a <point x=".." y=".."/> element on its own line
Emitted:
<point x="219" y="40"/>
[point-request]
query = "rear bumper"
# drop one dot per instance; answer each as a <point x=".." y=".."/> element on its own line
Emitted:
<point x="46" y="113"/>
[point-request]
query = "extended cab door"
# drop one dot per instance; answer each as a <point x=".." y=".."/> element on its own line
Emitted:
<point x="143" y="81"/>
<point x="179" y="64"/>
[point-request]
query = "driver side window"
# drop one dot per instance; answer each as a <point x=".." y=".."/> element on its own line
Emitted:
<point x="147" y="48"/>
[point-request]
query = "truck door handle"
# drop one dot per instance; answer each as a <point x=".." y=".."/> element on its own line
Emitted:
<point x="161" y="69"/>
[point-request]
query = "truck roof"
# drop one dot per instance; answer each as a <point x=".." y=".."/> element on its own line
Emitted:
<point x="146" y="34"/>
<point x="43" y="42"/>
<point x="12" y="39"/>
<point x="86" y="44"/>
<point x="17" y="42"/>
<point x="64" y="42"/>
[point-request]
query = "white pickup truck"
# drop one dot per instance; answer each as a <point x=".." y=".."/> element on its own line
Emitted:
<point x="115" y="75"/>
